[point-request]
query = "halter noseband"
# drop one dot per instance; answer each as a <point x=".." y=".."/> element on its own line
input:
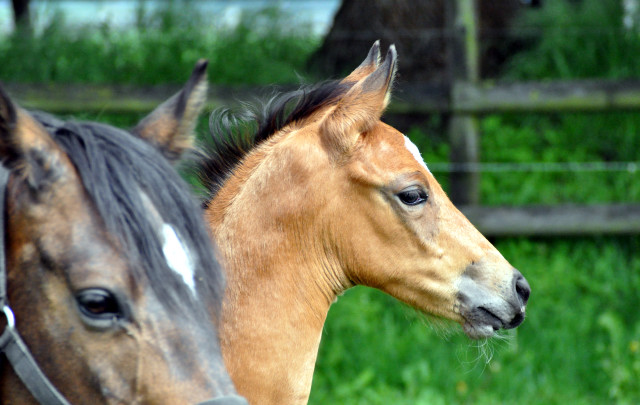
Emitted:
<point x="17" y="352"/>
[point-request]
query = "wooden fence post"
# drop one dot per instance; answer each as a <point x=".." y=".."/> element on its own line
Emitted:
<point x="463" y="67"/>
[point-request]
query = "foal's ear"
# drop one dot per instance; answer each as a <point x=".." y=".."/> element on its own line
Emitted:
<point x="368" y="66"/>
<point x="360" y="108"/>
<point x="170" y="126"/>
<point x="26" y="146"/>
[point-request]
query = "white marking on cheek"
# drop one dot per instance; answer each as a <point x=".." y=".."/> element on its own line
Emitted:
<point x="178" y="257"/>
<point x="415" y="152"/>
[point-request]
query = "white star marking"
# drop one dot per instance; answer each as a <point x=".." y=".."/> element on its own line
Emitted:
<point x="178" y="257"/>
<point x="415" y="152"/>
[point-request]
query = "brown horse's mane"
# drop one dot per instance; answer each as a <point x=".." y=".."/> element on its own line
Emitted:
<point x="114" y="167"/>
<point x="234" y="134"/>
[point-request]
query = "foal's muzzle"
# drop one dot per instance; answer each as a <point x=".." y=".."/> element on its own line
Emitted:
<point x="486" y="310"/>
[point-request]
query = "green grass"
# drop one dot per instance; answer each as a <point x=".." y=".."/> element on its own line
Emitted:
<point x="580" y="343"/>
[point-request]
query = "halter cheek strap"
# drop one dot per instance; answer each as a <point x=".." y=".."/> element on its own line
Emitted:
<point x="11" y="344"/>
<point x="25" y="366"/>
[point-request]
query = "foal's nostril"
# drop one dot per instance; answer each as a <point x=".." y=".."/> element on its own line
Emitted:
<point x="522" y="288"/>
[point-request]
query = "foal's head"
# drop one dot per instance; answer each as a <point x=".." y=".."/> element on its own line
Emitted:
<point x="111" y="274"/>
<point x="335" y="190"/>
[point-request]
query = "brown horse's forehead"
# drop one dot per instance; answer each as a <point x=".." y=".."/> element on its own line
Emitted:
<point x="67" y="231"/>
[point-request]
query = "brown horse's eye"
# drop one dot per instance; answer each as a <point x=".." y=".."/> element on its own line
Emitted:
<point x="98" y="304"/>
<point x="413" y="196"/>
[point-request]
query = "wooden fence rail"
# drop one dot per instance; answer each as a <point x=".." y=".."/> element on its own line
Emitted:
<point x="558" y="220"/>
<point x="117" y="99"/>
<point x="416" y="98"/>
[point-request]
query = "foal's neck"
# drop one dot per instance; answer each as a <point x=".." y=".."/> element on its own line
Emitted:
<point x="276" y="303"/>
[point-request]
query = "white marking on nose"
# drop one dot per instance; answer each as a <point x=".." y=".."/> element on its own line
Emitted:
<point x="178" y="257"/>
<point x="415" y="152"/>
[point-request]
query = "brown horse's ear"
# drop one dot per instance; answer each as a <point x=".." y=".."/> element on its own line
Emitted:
<point x="25" y="145"/>
<point x="170" y="126"/>
<point x="360" y="108"/>
<point x="368" y="66"/>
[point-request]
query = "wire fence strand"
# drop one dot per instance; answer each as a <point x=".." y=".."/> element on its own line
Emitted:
<point x="536" y="167"/>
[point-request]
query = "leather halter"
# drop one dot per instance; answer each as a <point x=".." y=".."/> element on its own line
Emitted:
<point x="17" y="352"/>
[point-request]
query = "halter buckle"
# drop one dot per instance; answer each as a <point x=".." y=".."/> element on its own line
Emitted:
<point x="8" y="314"/>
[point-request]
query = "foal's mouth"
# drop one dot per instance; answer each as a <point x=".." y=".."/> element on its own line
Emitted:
<point x="483" y="322"/>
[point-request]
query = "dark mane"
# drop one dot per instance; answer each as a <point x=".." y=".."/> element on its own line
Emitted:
<point x="233" y="135"/>
<point x="115" y="167"/>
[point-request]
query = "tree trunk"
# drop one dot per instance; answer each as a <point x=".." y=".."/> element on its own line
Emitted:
<point x="416" y="27"/>
<point x="21" y="13"/>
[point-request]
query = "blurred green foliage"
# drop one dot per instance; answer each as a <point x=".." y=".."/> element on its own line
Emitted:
<point x="579" y="39"/>
<point x="580" y="343"/>
<point x="264" y="47"/>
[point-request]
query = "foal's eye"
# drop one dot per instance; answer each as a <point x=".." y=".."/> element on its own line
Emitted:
<point x="413" y="196"/>
<point x="98" y="304"/>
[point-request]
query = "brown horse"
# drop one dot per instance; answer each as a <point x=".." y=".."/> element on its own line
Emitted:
<point x="111" y="280"/>
<point x="324" y="196"/>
